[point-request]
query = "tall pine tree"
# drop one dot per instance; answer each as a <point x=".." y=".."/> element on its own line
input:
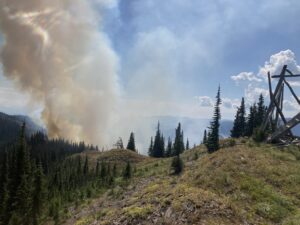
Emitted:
<point x="251" y="120"/>
<point x="261" y="111"/>
<point x="169" y="148"/>
<point x="213" y="137"/>
<point x="131" y="142"/>
<point x="204" y="140"/>
<point x="4" y="192"/>
<point x="39" y="194"/>
<point x="150" y="150"/>
<point x="187" y="147"/>
<point x="239" y="124"/>
<point x="23" y="182"/>
<point x="158" y="145"/>
<point x="178" y="142"/>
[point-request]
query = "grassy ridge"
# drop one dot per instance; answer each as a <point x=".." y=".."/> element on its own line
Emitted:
<point x="244" y="184"/>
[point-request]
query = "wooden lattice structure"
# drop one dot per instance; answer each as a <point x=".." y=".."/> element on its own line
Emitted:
<point x="274" y="115"/>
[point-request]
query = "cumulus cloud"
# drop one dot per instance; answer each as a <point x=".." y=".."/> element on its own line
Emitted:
<point x="252" y="93"/>
<point x="277" y="61"/>
<point x="246" y="76"/>
<point x="253" y="81"/>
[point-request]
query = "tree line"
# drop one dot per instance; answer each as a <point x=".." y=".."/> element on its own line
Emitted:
<point x="38" y="177"/>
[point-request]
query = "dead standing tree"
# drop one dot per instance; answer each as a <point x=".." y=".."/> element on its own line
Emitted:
<point x="274" y="115"/>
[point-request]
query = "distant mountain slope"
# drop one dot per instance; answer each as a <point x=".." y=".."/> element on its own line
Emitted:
<point x="10" y="127"/>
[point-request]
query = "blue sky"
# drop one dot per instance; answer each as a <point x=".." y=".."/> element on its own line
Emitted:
<point x="171" y="55"/>
<point x="201" y="43"/>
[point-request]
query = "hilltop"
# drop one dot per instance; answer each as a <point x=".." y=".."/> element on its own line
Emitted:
<point x="243" y="184"/>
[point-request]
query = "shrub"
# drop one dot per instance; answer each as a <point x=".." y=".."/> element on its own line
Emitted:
<point x="229" y="142"/>
<point x="127" y="171"/>
<point x="258" y="135"/>
<point x="177" y="165"/>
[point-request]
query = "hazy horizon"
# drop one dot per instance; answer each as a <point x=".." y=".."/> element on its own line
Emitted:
<point x="92" y="70"/>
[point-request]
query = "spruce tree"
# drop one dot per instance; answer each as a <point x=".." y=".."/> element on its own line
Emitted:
<point x="169" y="148"/>
<point x="150" y="150"/>
<point x="79" y="169"/>
<point x="213" y="137"/>
<point x="158" y="145"/>
<point x="103" y="172"/>
<point x="204" y="140"/>
<point x="115" y="170"/>
<point x="127" y="171"/>
<point x="131" y="142"/>
<point x="261" y="110"/>
<point x="177" y="165"/>
<point x="4" y="192"/>
<point x="178" y="142"/>
<point x="119" y="144"/>
<point x="97" y="168"/>
<point x="187" y="145"/>
<point x="239" y="124"/>
<point x="251" y="120"/>
<point x="86" y="166"/>
<point x="22" y="202"/>
<point x="39" y="194"/>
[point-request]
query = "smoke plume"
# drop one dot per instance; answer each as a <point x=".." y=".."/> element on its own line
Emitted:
<point x="55" y="51"/>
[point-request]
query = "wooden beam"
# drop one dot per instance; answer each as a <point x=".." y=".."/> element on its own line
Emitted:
<point x="292" y="91"/>
<point x="287" y="127"/>
<point x="286" y="76"/>
<point x="271" y="106"/>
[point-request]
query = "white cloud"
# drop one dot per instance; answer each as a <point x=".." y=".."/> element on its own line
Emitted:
<point x="204" y="101"/>
<point x="246" y="76"/>
<point x="230" y="103"/>
<point x="294" y="83"/>
<point x="291" y="105"/>
<point x="252" y="93"/>
<point x="277" y="61"/>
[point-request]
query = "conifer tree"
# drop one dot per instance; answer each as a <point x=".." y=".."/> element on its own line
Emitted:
<point x="79" y="166"/>
<point x="178" y="142"/>
<point x="177" y="165"/>
<point x="239" y="124"/>
<point x="213" y="137"/>
<point x="162" y="145"/>
<point x="86" y="166"/>
<point x="97" y="169"/>
<point x="131" y="142"/>
<point x="103" y="172"/>
<point x="115" y="170"/>
<point x="169" y="148"/>
<point x="251" y="120"/>
<point x="23" y="199"/>
<point x="39" y="194"/>
<point x="119" y="144"/>
<point x="4" y="192"/>
<point x="204" y="140"/>
<point x="158" y="145"/>
<point x="127" y="171"/>
<point x="187" y="145"/>
<point x="261" y="110"/>
<point x="150" y="150"/>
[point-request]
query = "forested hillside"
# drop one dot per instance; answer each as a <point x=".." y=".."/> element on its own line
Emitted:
<point x="10" y="128"/>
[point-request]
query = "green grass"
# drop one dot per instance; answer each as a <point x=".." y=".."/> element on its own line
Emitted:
<point x="257" y="183"/>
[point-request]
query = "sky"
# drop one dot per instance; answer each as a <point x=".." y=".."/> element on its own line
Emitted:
<point x="189" y="47"/>
<point x="173" y="54"/>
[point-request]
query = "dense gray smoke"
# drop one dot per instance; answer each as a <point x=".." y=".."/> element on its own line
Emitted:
<point x="54" y="51"/>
